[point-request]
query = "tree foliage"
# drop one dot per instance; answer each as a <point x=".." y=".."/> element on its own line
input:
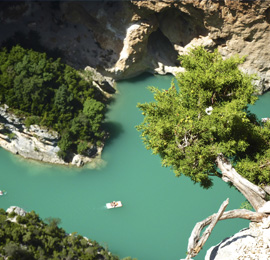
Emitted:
<point x="51" y="94"/>
<point x="207" y="114"/>
<point x="31" y="238"/>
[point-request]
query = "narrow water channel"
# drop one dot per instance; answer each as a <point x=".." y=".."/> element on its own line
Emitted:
<point x="159" y="210"/>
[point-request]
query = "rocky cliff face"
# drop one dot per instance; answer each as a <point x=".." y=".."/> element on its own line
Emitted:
<point x="125" y="38"/>
<point x="251" y="243"/>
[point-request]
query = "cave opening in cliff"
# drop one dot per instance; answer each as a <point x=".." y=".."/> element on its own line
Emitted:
<point x="160" y="47"/>
<point x="181" y="28"/>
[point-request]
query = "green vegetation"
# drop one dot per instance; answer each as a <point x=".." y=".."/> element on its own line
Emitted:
<point x="50" y="93"/>
<point x="180" y="126"/>
<point x="31" y="238"/>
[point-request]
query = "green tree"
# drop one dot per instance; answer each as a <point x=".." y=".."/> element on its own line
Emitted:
<point x="92" y="108"/>
<point x="64" y="144"/>
<point x="62" y="100"/>
<point x="94" y="111"/>
<point x="14" y="252"/>
<point x="82" y="147"/>
<point x="50" y="93"/>
<point x="205" y="125"/>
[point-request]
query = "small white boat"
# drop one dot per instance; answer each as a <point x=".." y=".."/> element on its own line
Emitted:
<point x="114" y="204"/>
<point x="2" y="192"/>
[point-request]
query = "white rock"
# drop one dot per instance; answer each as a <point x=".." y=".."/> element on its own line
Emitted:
<point x="265" y="208"/>
<point x="19" y="211"/>
<point x="266" y="223"/>
<point x="43" y="133"/>
<point x="77" y="160"/>
<point x="252" y="243"/>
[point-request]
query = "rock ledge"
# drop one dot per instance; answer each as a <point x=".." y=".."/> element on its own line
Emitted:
<point x="252" y="243"/>
<point x="35" y="142"/>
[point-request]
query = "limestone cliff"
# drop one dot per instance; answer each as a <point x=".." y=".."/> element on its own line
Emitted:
<point x="251" y="243"/>
<point x="125" y="38"/>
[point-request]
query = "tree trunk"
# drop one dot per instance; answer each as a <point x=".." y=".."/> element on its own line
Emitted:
<point x="254" y="194"/>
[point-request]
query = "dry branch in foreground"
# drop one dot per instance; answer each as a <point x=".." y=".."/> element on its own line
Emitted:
<point x="196" y="243"/>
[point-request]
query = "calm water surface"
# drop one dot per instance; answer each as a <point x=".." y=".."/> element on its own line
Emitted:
<point x="159" y="209"/>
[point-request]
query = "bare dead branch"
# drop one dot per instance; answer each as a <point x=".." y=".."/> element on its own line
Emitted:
<point x="196" y="243"/>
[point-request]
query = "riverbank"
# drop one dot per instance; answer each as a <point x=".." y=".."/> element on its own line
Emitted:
<point x="37" y="143"/>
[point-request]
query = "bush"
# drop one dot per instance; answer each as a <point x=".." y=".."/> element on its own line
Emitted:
<point x="31" y="120"/>
<point x="12" y="214"/>
<point x="82" y="147"/>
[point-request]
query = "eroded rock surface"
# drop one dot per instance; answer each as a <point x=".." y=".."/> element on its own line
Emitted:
<point x="35" y="142"/>
<point x="125" y="38"/>
<point x="251" y="243"/>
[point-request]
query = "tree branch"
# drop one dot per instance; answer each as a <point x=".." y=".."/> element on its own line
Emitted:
<point x="196" y="243"/>
<point x="187" y="140"/>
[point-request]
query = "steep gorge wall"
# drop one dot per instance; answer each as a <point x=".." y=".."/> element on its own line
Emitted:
<point x="125" y="38"/>
<point x="234" y="27"/>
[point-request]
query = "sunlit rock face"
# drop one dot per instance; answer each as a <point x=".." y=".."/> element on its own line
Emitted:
<point x="250" y="243"/>
<point x="38" y="143"/>
<point x="234" y="27"/>
<point x="125" y="38"/>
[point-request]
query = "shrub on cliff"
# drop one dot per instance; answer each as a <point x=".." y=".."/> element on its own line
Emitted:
<point x="51" y="94"/>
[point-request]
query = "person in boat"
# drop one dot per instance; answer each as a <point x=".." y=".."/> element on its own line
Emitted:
<point x="1" y="192"/>
<point x="113" y="204"/>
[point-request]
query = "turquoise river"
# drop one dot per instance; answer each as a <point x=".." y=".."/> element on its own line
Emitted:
<point x="159" y="210"/>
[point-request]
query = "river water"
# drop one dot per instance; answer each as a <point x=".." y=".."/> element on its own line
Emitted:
<point x="159" y="210"/>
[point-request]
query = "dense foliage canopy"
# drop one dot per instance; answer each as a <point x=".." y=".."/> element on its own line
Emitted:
<point x="52" y="94"/>
<point x="207" y="115"/>
<point x="31" y="238"/>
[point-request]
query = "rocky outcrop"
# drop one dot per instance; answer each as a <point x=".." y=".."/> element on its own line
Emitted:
<point x="251" y="243"/>
<point x="125" y="38"/>
<point x="18" y="212"/>
<point x="35" y="142"/>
